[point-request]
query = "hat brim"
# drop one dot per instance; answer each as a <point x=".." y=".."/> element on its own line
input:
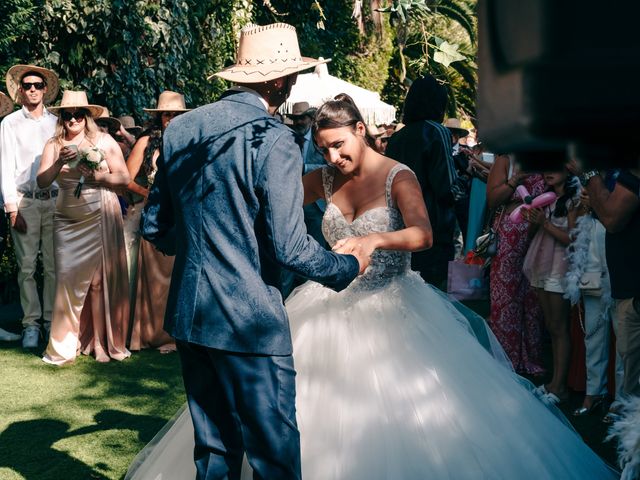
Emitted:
<point x="157" y="110"/>
<point x="461" y="132"/>
<point x="264" y="73"/>
<point x="94" y="110"/>
<point x="135" y="131"/>
<point x="14" y="77"/>
<point x="6" y="105"/>
<point x="307" y="113"/>
<point x="113" y="124"/>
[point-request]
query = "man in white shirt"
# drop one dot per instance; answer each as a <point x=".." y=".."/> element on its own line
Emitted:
<point x="29" y="209"/>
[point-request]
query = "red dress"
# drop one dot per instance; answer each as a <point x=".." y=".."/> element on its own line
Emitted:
<point x="516" y="315"/>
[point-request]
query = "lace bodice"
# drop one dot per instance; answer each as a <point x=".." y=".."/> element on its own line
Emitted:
<point x="385" y="264"/>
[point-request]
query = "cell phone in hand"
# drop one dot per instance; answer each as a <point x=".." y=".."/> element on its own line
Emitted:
<point x="74" y="148"/>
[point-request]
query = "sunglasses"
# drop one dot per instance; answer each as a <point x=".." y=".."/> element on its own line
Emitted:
<point x="38" y="85"/>
<point x="77" y="115"/>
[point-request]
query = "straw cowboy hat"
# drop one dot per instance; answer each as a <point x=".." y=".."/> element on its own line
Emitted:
<point x="169" y="101"/>
<point x="6" y="105"/>
<point x="301" y="109"/>
<point x="129" y="124"/>
<point x="453" y="124"/>
<point x="266" y="53"/>
<point x="105" y="119"/>
<point x="76" y="99"/>
<point x="14" y="78"/>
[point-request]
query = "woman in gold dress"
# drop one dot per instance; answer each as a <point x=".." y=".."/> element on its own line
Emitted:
<point x="91" y="308"/>
<point x="154" y="268"/>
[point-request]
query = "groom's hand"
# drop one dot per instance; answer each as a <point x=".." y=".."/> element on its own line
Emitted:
<point x="360" y="247"/>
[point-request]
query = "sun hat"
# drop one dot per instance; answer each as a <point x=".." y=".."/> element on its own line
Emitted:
<point x="169" y="101"/>
<point x="454" y="125"/>
<point x="6" y="105"/>
<point x="14" y="78"/>
<point x="76" y="99"/>
<point x="105" y="119"/>
<point x="301" y="109"/>
<point x="265" y="53"/>
<point x="129" y="124"/>
<point x="374" y="131"/>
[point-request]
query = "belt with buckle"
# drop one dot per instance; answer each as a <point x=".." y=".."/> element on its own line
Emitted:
<point x="39" y="194"/>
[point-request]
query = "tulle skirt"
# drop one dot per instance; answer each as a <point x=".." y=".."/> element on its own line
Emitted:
<point x="396" y="383"/>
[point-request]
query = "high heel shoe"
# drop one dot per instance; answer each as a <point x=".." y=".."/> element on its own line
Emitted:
<point x="598" y="403"/>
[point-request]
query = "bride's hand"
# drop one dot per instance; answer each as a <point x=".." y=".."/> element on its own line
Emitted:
<point x="360" y="247"/>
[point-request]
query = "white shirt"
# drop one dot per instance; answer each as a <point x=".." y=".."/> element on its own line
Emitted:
<point x="22" y="140"/>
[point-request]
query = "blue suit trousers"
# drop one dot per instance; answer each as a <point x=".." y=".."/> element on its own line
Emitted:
<point x="241" y="403"/>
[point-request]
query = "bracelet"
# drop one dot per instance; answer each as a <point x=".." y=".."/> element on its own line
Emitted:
<point x="585" y="177"/>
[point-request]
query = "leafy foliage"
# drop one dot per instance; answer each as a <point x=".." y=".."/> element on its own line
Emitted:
<point x="125" y="52"/>
<point x="436" y="37"/>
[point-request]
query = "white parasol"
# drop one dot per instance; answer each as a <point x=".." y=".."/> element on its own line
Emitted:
<point x="318" y="87"/>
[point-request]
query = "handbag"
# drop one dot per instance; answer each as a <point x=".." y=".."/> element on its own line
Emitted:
<point x="487" y="243"/>
<point x="591" y="284"/>
<point x="467" y="282"/>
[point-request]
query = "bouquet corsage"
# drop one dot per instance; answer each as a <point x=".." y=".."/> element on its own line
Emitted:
<point x="90" y="158"/>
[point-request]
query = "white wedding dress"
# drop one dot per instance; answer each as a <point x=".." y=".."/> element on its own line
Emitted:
<point x="396" y="382"/>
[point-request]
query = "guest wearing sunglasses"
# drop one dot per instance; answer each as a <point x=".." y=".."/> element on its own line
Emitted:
<point x="91" y="308"/>
<point x="29" y="208"/>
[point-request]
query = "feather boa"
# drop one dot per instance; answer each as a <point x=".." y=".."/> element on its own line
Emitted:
<point x="577" y="256"/>
<point x="577" y="260"/>
<point x="626" y="430"/>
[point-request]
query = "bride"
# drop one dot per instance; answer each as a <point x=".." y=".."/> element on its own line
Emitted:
<point x="394" y="381"/>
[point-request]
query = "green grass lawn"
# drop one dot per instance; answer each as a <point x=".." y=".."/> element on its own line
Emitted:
<point x="89" y="420"/>
<point x="82" y="421"/>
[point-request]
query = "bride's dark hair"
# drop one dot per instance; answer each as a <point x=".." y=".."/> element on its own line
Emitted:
<point x="337" y="113"/>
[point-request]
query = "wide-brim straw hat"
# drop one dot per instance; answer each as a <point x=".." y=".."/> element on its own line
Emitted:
<point x="266" y="53"/>
<point x="301" y="109"/>
<point x="169" y="101"/>
<point x="105" y="118"/>
<point x="76" y="99"/>
<point x="14" y="78"/>
<point x="129" y="124"/>
<point x="6" y="105"/>
<point x="454" y="125"/>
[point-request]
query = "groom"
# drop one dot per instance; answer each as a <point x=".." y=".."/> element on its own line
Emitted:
<point x="227" y="202"/>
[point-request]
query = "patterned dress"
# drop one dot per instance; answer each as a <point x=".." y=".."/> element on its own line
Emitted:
<point x="516" y="315"/>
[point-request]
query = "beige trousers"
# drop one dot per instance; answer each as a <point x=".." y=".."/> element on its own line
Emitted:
<point x="38" y="215"/>
<point x="627" y="317"/>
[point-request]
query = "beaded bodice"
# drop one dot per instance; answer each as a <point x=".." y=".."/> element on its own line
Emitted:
<point x="385" y="264"/>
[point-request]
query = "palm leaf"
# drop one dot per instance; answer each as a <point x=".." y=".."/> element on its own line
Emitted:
<point x="460" y="14"/>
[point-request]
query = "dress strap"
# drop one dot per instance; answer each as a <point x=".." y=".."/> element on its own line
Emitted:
<point x="99" y="142"/>
<point x="328" y="174"/>
<point x="392" y="174"/>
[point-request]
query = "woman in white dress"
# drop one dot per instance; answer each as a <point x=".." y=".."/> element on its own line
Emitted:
<point x="394" y="381"/>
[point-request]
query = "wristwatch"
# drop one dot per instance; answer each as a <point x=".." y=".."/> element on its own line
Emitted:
<point x="586" y="176"/>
